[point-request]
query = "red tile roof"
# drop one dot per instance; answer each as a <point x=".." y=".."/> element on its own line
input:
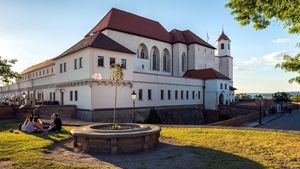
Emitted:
<point x="130" y="23"/>
<point x="223" y="36"/>
<point x="188" y="37"/>
<point x="205" y="74"/>
<point x="97" y="40"/>
<point x="38" y="66"/>
<point x="127" y="22"/>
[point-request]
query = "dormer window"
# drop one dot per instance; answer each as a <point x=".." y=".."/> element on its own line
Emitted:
<point x="222" y="45"/>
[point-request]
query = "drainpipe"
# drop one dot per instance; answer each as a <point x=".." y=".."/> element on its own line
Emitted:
<point x="203" y="110"/>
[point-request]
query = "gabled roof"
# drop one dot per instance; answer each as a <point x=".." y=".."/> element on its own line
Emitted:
<point x="188" y="37"/>
<point x="97" y="40"/>
<point x="223" y="36"/>
<point x="38" y="66"/>
<point x="127" y="22"/>
<point x="205" y="74"/>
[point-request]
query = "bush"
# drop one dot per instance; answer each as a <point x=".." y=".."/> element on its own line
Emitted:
<point x="153" y="117"/>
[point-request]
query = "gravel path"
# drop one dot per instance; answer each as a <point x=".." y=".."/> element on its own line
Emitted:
<point x="167" y="155"/>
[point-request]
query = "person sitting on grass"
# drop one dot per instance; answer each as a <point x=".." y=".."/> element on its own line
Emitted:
<point x="30" y="126"/>
<point x="38" y="124"/>
<point x="24" y="126"/>
<point x="56" y="123"/>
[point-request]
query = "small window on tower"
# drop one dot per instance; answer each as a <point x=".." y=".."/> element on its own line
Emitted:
<point x="222" y="45"/>
<point x="228" y="46"/>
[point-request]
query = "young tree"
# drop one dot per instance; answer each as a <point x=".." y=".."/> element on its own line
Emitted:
<point x="117" y="77"/>
<point x="6" y="74"/>
<point x="262" y="13"/>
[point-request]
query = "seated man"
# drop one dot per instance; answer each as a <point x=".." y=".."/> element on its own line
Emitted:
<point x="56" y="123"/>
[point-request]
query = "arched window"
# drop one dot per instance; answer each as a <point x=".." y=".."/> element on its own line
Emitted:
<point x="166" y="60"/>
<point x="183" y="62"/>
<point x="155" y="60"/>
<point x="222" y="45"/>
<point x="142" y="51"/>
<point x="142" y="54"/>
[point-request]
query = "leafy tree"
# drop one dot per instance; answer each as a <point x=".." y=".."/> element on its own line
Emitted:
<point x="243" y="96"/>
<point x="6" y="74"/>
<point x="117" y="77"/>
<point x="261" y="13"/>
<point x="296" y="98"/>
<point x="281" y="97"/>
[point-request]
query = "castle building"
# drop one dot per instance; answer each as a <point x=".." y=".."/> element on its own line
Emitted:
<point x="164" y="68"/>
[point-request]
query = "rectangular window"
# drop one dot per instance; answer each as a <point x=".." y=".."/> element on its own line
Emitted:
<point x="75" y="64"/>
<point x="123" y="63"/>
<point x="36" y="74"/>
<point x="193" y="94"/>
<point x="169" y="94"/>
<point x="80" y="63"/>
<point x="100" y="61"/>
<point x="162" y="94"/>
<point x="187" y="94"/>
<point x="149" y="94"/>
<point x="43" y="72"/>
<point x="47" y="71"/>
<point x="50" y="96"/>
<point x="225" y="86"/>
<point x="140" y="94"/>
<point x="221" y="86"/>
<point x="181" y="94"/>
<point x="52" y="70"/>
<point x="71" y="95"/>
<point x="176" y="94"/>
<point x="65" y="67"/>
<point x="40" y="73"/>
<point x="199" y="95"/>
<point x="76" y="95"/>
<point x="53" y="95"/>
<point x="112" y="62"/>
<point x="61" y="68"/>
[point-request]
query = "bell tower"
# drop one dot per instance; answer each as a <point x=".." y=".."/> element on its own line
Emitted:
<point x="223" y="45"/>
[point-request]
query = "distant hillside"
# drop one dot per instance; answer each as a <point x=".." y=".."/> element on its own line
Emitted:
<point x="269" y="95"/>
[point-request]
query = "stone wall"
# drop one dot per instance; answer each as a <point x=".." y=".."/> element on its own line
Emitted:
<point x="7" y="112"/>
<point x="237" y="121"/>
<point x="65" y="111"/>
<point x="167" y="114"/>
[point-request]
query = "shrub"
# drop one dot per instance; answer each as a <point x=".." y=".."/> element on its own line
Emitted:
<point x="152" y="117"/>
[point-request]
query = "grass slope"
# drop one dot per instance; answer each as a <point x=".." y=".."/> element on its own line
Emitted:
<point x="231" y="148"/>
<point x="26" y="150"/>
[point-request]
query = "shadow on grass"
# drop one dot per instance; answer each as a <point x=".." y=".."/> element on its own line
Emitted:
<point x="173" y="156"/>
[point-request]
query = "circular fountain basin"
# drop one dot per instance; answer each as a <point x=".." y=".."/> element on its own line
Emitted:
<point x="128" y="138"/>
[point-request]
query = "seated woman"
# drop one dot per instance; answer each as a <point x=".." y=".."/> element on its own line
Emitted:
<point x="30" y="126"/>
<point x="24" y="126"/>
<point x="38" y="124"/>
<point x="56" y="123"/>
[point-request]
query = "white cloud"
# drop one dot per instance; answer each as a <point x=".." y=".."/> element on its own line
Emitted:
<point x="262" y="61"/>
<point x="281" y="40"/>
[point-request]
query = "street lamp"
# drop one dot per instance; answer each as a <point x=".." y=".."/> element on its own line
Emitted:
<point x="133" y="97"/>
<point x="260" y="115"/>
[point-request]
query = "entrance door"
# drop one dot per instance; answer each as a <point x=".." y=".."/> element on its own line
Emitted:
<point x="62" y="98"/>
<point x="221" y="99"/>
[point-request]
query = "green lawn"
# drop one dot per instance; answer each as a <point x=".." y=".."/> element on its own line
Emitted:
<point x="26" y="150"/>
<point x="231" y="148"/>
<point x="216" y="148"/>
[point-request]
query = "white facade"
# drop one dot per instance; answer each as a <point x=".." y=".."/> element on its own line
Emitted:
<point x="69" y="79"/>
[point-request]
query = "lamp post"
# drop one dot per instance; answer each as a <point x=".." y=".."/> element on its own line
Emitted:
<point x="133" y="97"/>
<point x="260" y="115"/>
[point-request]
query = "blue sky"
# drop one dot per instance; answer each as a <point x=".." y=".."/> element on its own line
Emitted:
<point x="35" y="30"/>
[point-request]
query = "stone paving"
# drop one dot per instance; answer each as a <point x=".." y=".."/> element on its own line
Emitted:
<point x="286" y="122"/>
